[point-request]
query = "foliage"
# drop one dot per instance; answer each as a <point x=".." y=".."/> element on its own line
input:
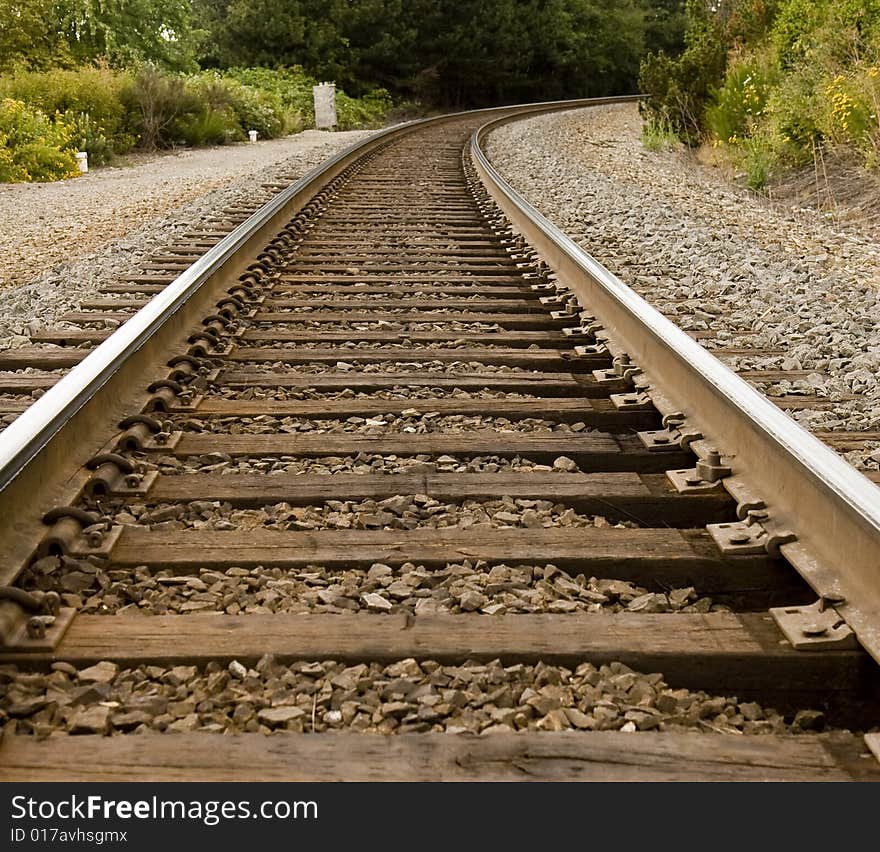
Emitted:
<point x="40" y="34"/>
<point x="658" y="135"/>
<point x="123" y="73"/>
<point x="159" y="105"/>
<point x="88" y="98"/>
<point x="107" y="112"/>
<point x="798" y="76"/>
<point x="834" y="32"/>
<point x="681" y="89"/>
<point x="33" y="147"/>
<point x="448" y="52"/>
<point x="738" y="105"/>
<point x="27" y="40"/>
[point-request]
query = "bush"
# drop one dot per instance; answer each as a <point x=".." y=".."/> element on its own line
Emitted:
<point x="106" y="112"/>
<point x="849" y="116"/>
<point x="368" y="111"/>
<point x="33" y="146"/>
<point x="88" y="99"/>
<point x="251" y="108"/>
<point x="739" y="104"/>
<point x="823" y="30"/>
<point x="293" y="89"/>
<point x="159" y="105"/>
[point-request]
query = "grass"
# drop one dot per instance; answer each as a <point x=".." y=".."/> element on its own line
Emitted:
<point x="658" y="135"/>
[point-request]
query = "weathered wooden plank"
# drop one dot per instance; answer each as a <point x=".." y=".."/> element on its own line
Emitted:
<point x="597" y="413"/>
<point x="647" y="556"/>
<point x="151" y="279"/>
<point x="41" y="359"/>
<point x="409" y="254"/>
<point x="344" y="228"/>
<point x="71" y="336"/>
<point x="439" y="289"/>
<point x="517" y="320"/>
<point x="82" y="317"/>
<point x="738" y="654"/>
<point x="492" y="266"/>
<point x="509" y="338"/>
<point x="134" y="287"/>
<point x="26" y="382"/>
<point x="799" y="403"/>
<point x="538" y="384"/>
<point x="451" y="303"/>
<point x="417" y="221"/>
<point x="421" y="241"/>
<point x="847" y="440"/>
<point x="14" y="406"/>
<point x="591" y="450"/>
<point x="649" y="499"/>
<point x="347" y="756"/>
<point x="541" y="359"/>
<point x="113" y="304"/>
<point x="773" y="375"/>
<point x="426" y="279"/>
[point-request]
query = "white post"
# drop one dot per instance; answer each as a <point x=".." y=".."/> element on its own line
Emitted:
<point x="82" y="160"/>
<point x="252" y="135"/>
<point x="325" y="105"/>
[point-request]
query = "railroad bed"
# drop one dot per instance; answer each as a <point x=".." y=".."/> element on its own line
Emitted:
<point x="399" y="506"/>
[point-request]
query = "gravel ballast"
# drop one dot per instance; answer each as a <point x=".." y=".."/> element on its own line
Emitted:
<point x="711" y="256"/>
<point x="467" y="586"/>
<point x="405" y="696"/>
<point x="61" y="241"/>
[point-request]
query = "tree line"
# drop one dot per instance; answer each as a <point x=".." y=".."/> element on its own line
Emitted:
<point x="448" y="53"/>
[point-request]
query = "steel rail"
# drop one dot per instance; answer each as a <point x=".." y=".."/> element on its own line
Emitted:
<point x="832" y="508"/>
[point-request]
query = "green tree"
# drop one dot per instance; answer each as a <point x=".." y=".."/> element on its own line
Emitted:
<point x="455" y="53"/>
<point x="44" y="33"/>
<point x="29" y="36"/>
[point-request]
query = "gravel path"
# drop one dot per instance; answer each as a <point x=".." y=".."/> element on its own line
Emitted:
<point x="60" y="241"/>
<point x="711" y="256"/>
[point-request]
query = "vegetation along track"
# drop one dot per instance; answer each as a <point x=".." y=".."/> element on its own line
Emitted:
<point x="395" y="461"/>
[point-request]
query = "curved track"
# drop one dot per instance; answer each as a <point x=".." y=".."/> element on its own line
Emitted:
<point x="386" y="463"/>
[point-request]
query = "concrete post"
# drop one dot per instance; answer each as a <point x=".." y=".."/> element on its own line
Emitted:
<point x="325" y="105"/>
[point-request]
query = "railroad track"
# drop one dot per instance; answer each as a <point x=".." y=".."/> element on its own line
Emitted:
<point x="394" y="464"/>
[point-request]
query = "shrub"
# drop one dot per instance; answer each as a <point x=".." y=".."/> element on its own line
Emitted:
<point x="293" y="89"/>
<point x="368" y="111"/>
<point x="739" y="104"/>
<point x="88" y="98"/>
<point x="759" y="161"/>
<point x="792" y="110"/>
<point x="251" y="108"/>
<point x="206" y="127"/>
<point x="159" y="105"/>
<point x="259" y="110"/>
<point x="849" y="116"/>
<point x="34" y="147"/>
<point x="679" y="89"/>
<point x="823" y="30"/>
